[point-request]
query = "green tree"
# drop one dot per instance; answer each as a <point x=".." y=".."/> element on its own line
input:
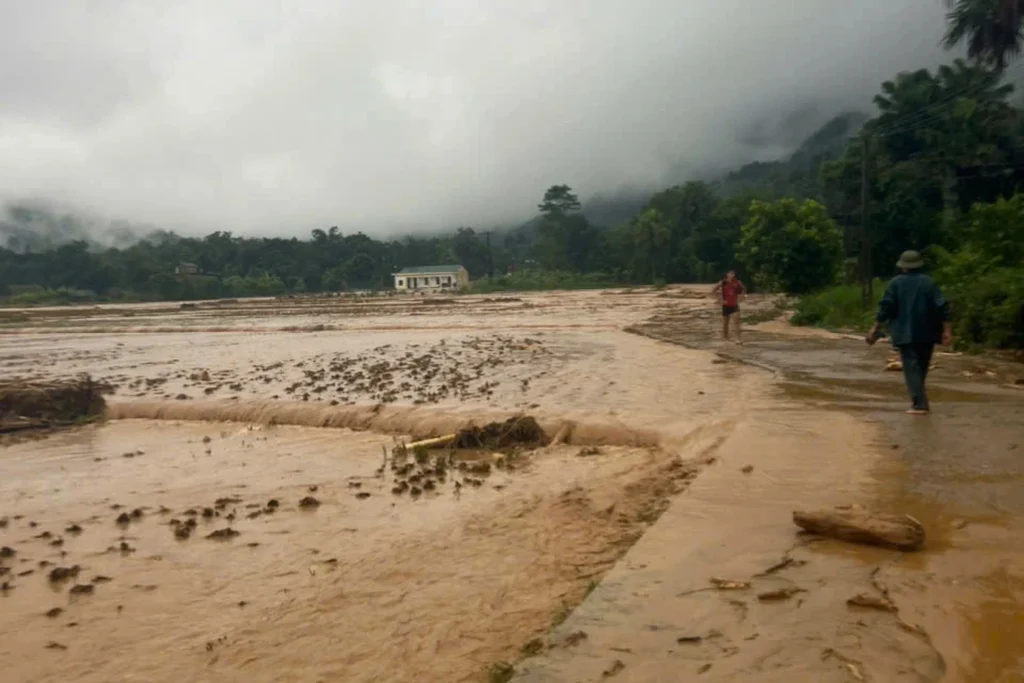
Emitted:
<point x="650" y="235"/>
<point x="471" y="252"/>
<point x="791" y="246"/>
<point x="559" y="201"/>
<point x="566" y="240"/>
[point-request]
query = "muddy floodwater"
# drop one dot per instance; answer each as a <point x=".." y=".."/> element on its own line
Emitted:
<point x="236" y="517"/>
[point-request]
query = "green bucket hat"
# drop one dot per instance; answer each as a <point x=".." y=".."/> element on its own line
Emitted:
<point x="911" y="260"/>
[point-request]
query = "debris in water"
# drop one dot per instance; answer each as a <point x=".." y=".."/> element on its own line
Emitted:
<point x="73" y="530"/>
<point x="82" y="589"/>
<point x="55" y="612"/>
<point x="124" y="519"/>
<point x="516" y="431"/>
<point x="780" y="594"/>
<point x="54" y="645"/>
<point x="872" y="602"/>
<point x="747" y="469"/>
<point x="362" y="495"/>
<point x="223" y="534"/>
<point x="574" y="639"/>
<point x="58" y="574"/>
<point x="857" y="525"/>
<point x="729" y="585"/>
<point x="7" y="552"/>
<point x="309" y="502"/>
<point x="34" y="404"/>
<point x="614" y="669"/>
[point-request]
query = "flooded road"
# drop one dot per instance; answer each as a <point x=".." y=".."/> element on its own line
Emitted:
<point x="682" y="456"/>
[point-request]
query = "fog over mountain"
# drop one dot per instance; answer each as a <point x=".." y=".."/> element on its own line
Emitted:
<point x="274" y="117"/>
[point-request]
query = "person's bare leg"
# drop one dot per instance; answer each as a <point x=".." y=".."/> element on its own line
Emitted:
<point x="725" y="327"/>
<point x="736" y="327"/>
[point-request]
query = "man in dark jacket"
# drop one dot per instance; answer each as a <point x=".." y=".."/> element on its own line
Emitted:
<point x="918" y="319"/>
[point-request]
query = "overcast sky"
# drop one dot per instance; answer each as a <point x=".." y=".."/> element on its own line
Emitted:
<point x="277" y="116"/>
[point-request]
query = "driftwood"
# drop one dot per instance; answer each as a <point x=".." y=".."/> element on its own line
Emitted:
<point x="432" y="443"/>
<point x="857" y="525"/>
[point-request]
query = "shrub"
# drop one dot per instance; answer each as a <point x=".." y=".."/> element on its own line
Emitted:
<point x="837" y="307"/>
<point x="791" y="246"/>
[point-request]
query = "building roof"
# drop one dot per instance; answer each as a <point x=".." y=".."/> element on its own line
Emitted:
<point x="415" y="270"/>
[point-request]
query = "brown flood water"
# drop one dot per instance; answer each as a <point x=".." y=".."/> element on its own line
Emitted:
<point x="385" y="587"/>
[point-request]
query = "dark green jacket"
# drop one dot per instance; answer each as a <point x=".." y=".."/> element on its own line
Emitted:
<point x="914" y="309"/>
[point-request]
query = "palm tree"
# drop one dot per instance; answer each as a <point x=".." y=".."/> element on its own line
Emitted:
<point x="992" y="29"/>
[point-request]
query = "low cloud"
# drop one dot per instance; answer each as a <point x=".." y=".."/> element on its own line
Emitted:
<point x="270" y="117"/>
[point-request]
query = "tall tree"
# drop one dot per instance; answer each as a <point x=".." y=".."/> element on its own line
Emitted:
<point x="651" y="235"/>
<point x="559" y="201"/>
<point x="991" y="29"/>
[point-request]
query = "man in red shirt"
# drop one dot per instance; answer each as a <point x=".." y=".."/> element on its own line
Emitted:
<point x="730" y="289"/>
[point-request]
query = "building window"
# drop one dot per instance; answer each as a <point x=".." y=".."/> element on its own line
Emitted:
<point x="401" y="282"/>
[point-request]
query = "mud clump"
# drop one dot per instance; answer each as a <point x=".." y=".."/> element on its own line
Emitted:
<point x="309" y="503"/>
<point x="61" y="574"/>
<point x="7" y="552"/>
<point x="514" y="432"/>
<point x="225" y="534"/>
<point x="82" y="589"/>
<point x="54" y="613"/>
<point x="43" y="404"/>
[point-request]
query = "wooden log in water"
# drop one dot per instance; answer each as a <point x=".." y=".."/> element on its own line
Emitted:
<point x="855" y="524"/>
<point x="437" y="442"/>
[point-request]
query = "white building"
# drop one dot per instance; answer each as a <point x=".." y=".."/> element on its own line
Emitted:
<point x="431" y="278"/>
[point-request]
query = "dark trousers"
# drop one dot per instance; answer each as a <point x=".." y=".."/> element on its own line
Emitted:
<point x="916" y="359"/>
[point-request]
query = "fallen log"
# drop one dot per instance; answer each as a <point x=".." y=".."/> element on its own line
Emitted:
<point x="854" y="524"/>
<point x="432" y="443"/>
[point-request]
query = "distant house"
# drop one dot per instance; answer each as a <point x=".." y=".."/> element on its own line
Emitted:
<point x="186" y="269"/>
<point x="431" y="278"/>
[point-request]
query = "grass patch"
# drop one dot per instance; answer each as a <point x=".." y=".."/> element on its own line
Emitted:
<point x="837" y="308"/>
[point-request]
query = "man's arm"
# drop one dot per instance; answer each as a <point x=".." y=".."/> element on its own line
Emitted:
<point x="886" y="312"/>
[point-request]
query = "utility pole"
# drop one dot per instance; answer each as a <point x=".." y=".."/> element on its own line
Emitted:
<point x="490" y="255"/>
<point x="866" y="281"/>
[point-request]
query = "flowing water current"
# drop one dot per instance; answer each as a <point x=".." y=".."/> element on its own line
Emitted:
<point x="265" y="426"/>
